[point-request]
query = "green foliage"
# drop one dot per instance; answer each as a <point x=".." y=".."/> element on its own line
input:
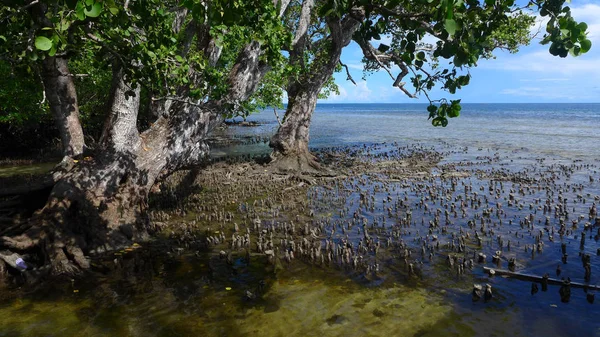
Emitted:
<point x="466" y="30"/>
<point x="21" y="95"/>
<point x="97" y="35"/>
<point x="440" y="113"/>
<point x="25" y="122"/>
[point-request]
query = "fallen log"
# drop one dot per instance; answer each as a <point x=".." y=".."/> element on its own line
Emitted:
<point x="538" y="279"/>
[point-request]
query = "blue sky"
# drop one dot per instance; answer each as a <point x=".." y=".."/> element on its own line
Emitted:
<point x="530" y="76"/>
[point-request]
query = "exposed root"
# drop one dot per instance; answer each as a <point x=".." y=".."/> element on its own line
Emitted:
<point x="295" y="162"/>
<point x="21" y="242"/>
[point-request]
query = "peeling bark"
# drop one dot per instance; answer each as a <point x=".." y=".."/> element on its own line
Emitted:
<point x="120" y="131"/>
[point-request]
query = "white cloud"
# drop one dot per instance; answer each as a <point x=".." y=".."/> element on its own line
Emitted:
<point x="548" y="93"/>
<point x="357" y="66"/>
<point x="545" y="80"/>
<point x="541" y="61"/>
<point x="361" y="93"/>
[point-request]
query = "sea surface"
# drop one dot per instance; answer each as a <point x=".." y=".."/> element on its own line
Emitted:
<point x="570" y="131"/>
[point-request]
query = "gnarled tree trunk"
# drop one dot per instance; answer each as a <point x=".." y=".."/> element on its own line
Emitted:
<point x="290" y="142"/>
<point x="100" y="202"/>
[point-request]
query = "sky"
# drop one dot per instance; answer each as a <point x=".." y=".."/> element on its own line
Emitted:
<point x="530" y="76"/>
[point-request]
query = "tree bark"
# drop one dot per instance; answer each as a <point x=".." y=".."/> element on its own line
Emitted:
<point x="290" y="142"/>
<point x="60" y="91"/>
<point x="62" y="98"/>
<point x="120" y="131"/>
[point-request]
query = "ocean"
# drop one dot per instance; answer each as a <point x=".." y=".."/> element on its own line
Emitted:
<point x="569" y="131"/>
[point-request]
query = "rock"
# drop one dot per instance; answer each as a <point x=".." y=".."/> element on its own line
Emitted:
<point x="377" y="312"/>
<point x="249" y="295"/>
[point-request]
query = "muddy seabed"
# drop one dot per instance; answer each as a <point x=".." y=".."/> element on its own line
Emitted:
<point x="386" y="242"/>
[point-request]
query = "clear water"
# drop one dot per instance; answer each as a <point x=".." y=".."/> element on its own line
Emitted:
<point x="566" y="130"/>
<point x="189" y="295"/>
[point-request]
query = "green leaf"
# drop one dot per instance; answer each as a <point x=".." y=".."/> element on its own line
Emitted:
<point x="440" y="121"/>
<point x="114" y="10"/>
<point x="582" y="26"/>
<point x="383" y="47"/>
<point x="43" y="43"/>
<point x="451" y="26"/>
<point x="52" y="51"/>
<point x="80" y="11"/>
<point x="95" y="10"/>
<point x="454" y="111"/>
<point x="585" y="45"/>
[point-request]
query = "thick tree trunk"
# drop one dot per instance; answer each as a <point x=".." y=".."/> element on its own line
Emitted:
<point x="60" y="90"/>
<point x="100" y="203"/>
<point x="290" y="142"/>
<point x="62" y="98"/>
<point x="120" y="131"/>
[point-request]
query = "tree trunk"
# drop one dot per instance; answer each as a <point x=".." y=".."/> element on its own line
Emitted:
<point x="290" y="142"/>
<point x="62" y="98"/>
<point x="99" y="204"/>
<point x="120" y="131"/>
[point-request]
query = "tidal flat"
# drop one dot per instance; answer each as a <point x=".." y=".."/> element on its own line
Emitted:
<point x="388" y="240"/>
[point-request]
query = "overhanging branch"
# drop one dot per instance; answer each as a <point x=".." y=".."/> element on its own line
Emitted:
<point x="349" y="78"/>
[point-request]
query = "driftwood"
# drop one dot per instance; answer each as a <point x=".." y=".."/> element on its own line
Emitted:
<point x="539" y="279"/>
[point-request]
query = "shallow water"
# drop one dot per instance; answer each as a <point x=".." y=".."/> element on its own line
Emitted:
<point x="152" y="293"/>
<point x="566" y="130"/>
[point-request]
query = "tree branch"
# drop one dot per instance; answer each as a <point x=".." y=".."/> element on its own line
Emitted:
<point x="277" y="116"/>
<point x="372" y="54"/>
<point x="349" y="78"/>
